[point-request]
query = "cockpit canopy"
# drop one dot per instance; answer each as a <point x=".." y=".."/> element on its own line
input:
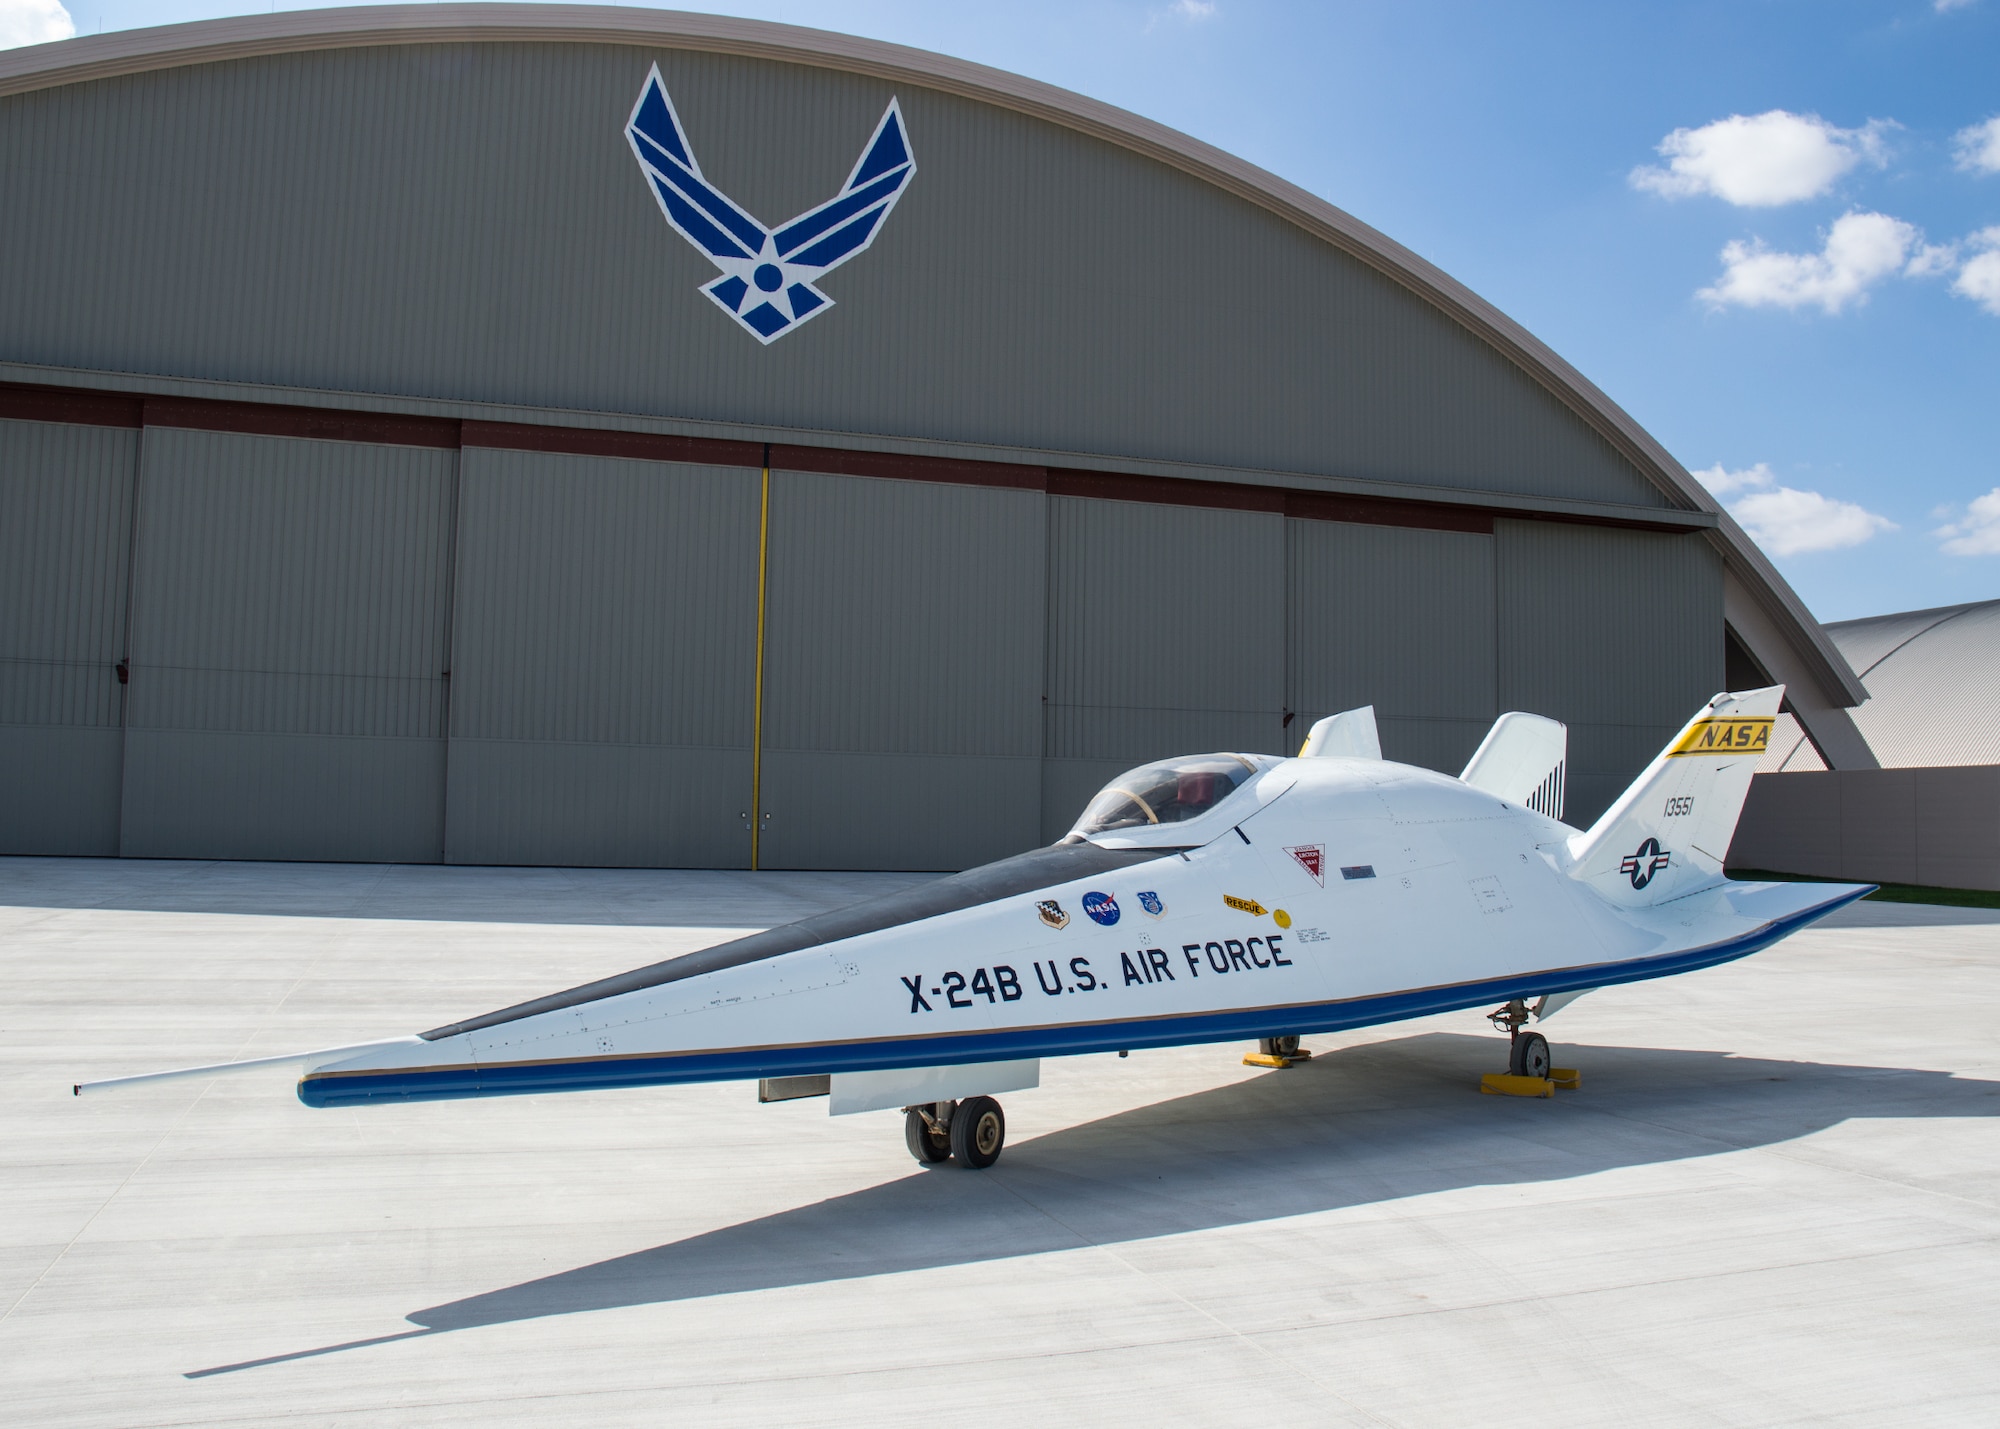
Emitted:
<point x="1171" y="791"/>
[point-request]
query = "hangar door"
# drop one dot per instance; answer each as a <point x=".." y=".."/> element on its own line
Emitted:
<point x="65" y="514"/>
<point x="1166" y="636"/>
<point x="1616" y="633"/>
<point x="287" y="649"/>
<point x="903" y="673"/>
<point x="1399" y="618"/>
<point x="603" y="662"/>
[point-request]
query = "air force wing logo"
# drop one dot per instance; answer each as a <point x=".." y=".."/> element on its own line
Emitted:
<point x="767" y="273"/>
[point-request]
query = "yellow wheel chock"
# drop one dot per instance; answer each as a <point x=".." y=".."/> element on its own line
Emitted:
<point x="1502" y="1084"/>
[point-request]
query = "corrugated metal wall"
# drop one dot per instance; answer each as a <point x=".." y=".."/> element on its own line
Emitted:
<point x="1939" y="827"/>
<point x="288" y="649"/>
<point x="473" y="226"/>
<point x="903" y="673"/>
<point x="1616" y="633"/>
<point x="65" y="517"/>
<point x="1167" y="637"/>
<point x="1401" y="619"/>
<point x="950" y="670"/>
<point x="603" y="662"/>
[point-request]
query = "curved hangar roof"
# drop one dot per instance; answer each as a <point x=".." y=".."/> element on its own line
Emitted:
<point x="1063" y="278"/>
<point x="1933" y="685"/>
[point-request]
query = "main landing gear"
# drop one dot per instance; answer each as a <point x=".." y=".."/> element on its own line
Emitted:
<point x="1530" y="1068"/>
<point x="1277" y="1052"/>
<point x="973" y="1130"/>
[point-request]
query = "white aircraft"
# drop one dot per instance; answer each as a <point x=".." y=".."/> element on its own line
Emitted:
<point x="1204" y="899"/>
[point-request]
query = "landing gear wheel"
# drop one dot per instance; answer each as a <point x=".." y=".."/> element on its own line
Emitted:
<point x="927" y="1145"/>
<point x="978" y="1131"/>
<point x="1529" y="1056"/>
<point x="1279" y="1046"/>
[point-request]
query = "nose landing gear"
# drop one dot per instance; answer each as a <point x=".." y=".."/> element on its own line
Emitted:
<point x="974" y="1131"/>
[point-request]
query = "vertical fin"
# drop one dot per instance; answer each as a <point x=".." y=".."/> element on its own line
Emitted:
<point x="1524" y="759"/>
<point x="1350" y="734"/>
<point x="1669" y="833"/>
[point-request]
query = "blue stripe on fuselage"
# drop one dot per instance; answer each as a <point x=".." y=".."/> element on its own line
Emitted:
<point x="738" y="1064"/>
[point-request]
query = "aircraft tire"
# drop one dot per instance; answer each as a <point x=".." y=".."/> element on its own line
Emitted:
<point x="926" y="1145"/>
<point x="1529" y="1056"/>
<point x="1279" y="1046"/>
<point x="978" y="1131"/>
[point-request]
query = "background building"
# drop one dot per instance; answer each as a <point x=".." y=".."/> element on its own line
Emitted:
<point x="1930" y="814"/>
<point x="377" y="482"/>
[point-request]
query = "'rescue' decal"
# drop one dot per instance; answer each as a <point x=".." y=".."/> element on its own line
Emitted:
<point x="1244" y="905"/>
<point x="1140" y="967"/>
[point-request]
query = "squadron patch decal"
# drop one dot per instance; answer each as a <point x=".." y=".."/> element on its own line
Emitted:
<point x="1150" y="904"/>
<point x="1051" y="913"/>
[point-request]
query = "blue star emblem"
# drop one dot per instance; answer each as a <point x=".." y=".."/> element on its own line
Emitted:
<point x="768" y="275"/>
<point x="1644" y="862"/>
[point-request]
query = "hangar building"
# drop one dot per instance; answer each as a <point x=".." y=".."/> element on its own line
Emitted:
<point x="1929" y="811"/>
<point x="397" y="464"/>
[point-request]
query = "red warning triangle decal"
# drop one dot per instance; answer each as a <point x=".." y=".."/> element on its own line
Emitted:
<point x="1312" y="858"/>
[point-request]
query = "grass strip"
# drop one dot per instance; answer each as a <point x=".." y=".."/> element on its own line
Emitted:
<point x="1887" y="893"/>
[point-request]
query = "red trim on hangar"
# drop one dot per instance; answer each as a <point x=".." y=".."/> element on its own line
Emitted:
<point x="77" y="406"/>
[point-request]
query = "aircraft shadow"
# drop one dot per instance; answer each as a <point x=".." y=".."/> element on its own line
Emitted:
<point x="1364" y="1124"/>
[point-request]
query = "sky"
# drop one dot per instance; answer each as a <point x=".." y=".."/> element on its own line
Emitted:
<point x="1769" y="229"/>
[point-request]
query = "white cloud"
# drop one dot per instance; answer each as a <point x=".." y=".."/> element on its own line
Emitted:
<point x="1931" y="259"/>
<point x="1759" y="160"/>
<point x="1977" y="533"/>
<point x="1946" y="6"/>
<point x="33" y="22"/>
<point x="1979" y="279"/>
<point x="1789" y="522"/>
<point x="1977" y="147"/>
<point x="1861" y="249"/>
<point x="1192" y="11"/>
<point x="1728" y="483"/>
